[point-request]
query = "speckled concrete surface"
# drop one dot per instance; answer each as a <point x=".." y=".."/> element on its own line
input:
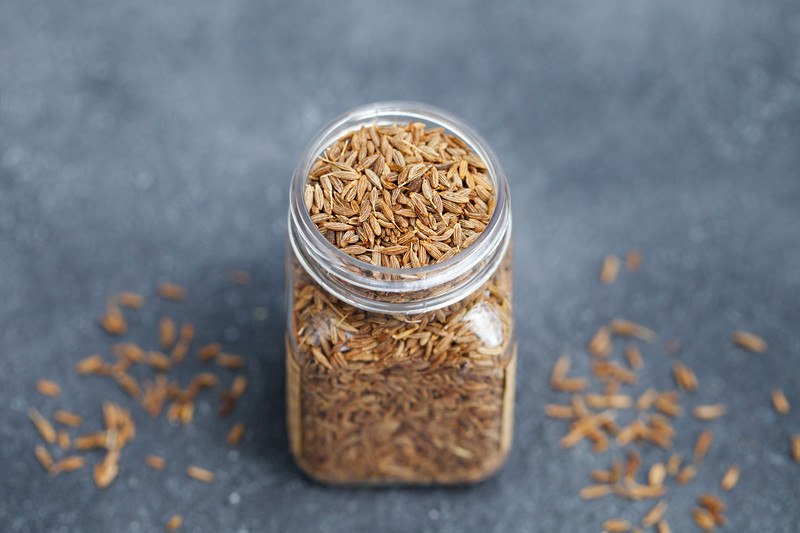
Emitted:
<point x="150" y="141"/>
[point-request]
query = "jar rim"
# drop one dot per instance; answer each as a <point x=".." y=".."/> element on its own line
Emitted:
<point x="318" y="253"/>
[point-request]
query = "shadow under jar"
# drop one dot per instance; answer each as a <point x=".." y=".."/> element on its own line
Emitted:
<point x="400" y="354"/>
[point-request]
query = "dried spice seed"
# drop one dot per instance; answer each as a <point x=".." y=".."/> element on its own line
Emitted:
<point x="663" y="527"/>
<point x="209" y="351"/>
<point x="616" y="525"/>
<point x="686" y="474"/>
<point x="171" y="291"/>
<point x="626" y="328"/>
<point x="656" y="476"/>
<point x="703" y="519"/>
<point x="131" y="300"/>
<point x="633" y="260"/>
<point x="634" y="357"/>
<point x="105" y="472"/>
<point x="92" y="364"/>
<point x="155" y="462"/>
<point x="113" y="322"/>
<point x="68" y="464"/>
<point x="43" y="456"/>
<point x="201" y="474"/>
<point x="230" y="361"/>
<point x="609" y="269"/>
<point x="749" y="341"/>
<point x="796" y="448"/>
<point x="43" y="426"/>
<point x="702" y="445"/>
<point x="600" y="344"/>
<point x="175" y="522"/>
<point x="655" y="514"/>
<point x="715" y="506"/>
<point x="47" y="387"/>
<point x="709" y="412"/>
<point x="236" y="433"/>
<point x="730" y="478"/>
<point x="593" y="492"/>
<point x="91" y="441"/>
<point x="63" y="439"/>
<point x="779" y="402"/>
<point x="674" y="464"/>
<point x="684" y="377"/>
<point x="166" y="329"/>
<point x="559" y="411"/>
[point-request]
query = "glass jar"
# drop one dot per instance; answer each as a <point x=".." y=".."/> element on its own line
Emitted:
<point x="399" y="375"/>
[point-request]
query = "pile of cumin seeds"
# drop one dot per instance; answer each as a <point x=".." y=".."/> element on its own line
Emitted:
<point x="390" y="398"/>
<point x="603" y="410"/>
<point x="145" y="376"/>
<point x="400" y="195"/>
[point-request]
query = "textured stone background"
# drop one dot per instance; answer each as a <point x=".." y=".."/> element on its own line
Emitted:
<point x="155" y="140"/>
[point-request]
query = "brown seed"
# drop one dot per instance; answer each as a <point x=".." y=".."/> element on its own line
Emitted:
<point x="663" y="527"/>
<point x="45" y="428"/>
<point x="634" y="356"/>
<point x="238" y="386"/>
<point x="92" y="364"/>
<point x="713" y="505"/>
<point x="240" y="277"/>
<point x="166" y="330"/>
<point x="686" y="474"/>
<point x="674" y="464"/>
<point x="655" y="514"/>
<point x="609" y="269"/>
<point x="236" y="433"/>
<point x="48" y="388"/>
<point x="200" y="474"/>
<point x="230" y="361"/>
<point x="646" y="400"/>
<point x="779" y="402"/>
<point x="600" y="344"/>
<point x="596" y="491"/>
<point x="560" y="368"/>
<point x="174" y="523"/>
<point x="703" y="519"/>
<point x="559" y="411"/>
<point x="749" y="341"/>
<point x="63" y="439"/>
<point x="107" y="469"/>
<point x="702" y="445"/>
<point x="626" y="328"/>
<point x="171" y="291"/>
<point x="155" y="462"/>
<point x="131" y="300"/>
<point x="730" y="478"/>
<point x="158" y="361"/>
<point x="709" y="412"/>
<point x="209" y="351"/>
<point x="656" y="475"/>
<point x="43" y="456"/>
<point x="633" y="260"/>
<point x="616" y="525"/>
<point x="91" y="441"/>
<point x="68" y="464"/>
<point x="796" y="448"/>
<point x="113" y="321"/>
<point x="684" y="377"/>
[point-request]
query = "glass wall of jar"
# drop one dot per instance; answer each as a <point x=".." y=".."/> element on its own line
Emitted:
<point x="399" y="375"/>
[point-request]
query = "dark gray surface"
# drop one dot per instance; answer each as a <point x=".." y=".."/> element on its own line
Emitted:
<point x="156" y="140"/>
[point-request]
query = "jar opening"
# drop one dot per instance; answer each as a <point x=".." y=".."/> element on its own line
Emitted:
<point x="398" y="290"/>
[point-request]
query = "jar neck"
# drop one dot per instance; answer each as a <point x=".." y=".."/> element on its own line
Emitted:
<point x="387" y="290"/>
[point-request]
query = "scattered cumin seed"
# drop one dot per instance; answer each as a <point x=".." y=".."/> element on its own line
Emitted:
<point x="113" y="321"/>
<point x="230" y="361"/>
<point x="91" y="441"/>
<point x="749" y="341"/>
<point x="684" y="377"/>
<point x="663" y="527"/>
<point x="674" y="464"/>
<point x="43" y="456"/>
<point x="68" y="464"/>
<point x="131" y="300"/>
<point x="596" y="491"/>
<point x="633" y="260"/>
<point x="171" y="291"/>
<point x="703" y="519"/>
<point x="600" y="344"/>
<point x="201" y="474"/>
<point x="656" y="475"/>
<point x="166" y="330"/>
<point x="238" y="386"/>
<point x="626" y="328"/>
<point x="779" y="402"/>
<point x="107" y="469"/>
<point x="713" y="505"/>
<point x="655" y="514"/>
<point x="209" y="351"/>
<point x="609" y="269"/>
<point x="63" y="439"/>
<point x="702" y="445"/>
<point x="155" y="462"/>
<point x="616" y="525"/>
<point x="709" y="412"/>
<point x="236" y="433"/>
<point x="730" y="478"/>
<point x="92" y="364"/>
<point x="796" y="448"/>
<point x="45" y="428"/>
<point x="634" y="356"/>
<point x="174" y="523"/>
<point x="559" y="411"/>
<point x="47" y="387"/>
<point x="686" y="474"/>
